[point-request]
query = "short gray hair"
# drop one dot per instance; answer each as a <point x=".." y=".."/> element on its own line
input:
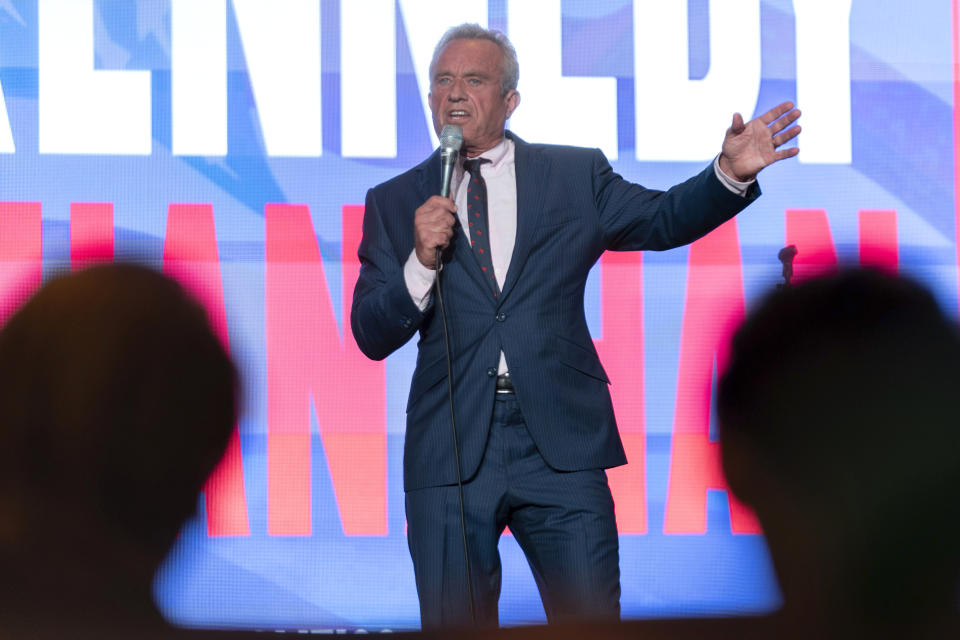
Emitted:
<point x="509" y="72"/>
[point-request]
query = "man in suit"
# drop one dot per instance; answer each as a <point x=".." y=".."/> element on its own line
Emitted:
<point x="536" y="430"/>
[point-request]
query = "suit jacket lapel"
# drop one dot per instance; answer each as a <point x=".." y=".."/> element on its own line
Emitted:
<point x="428" y="178"/>
<point x="531" y="169"/>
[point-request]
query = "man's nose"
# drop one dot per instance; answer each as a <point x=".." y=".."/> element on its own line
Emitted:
<point x="457" y="92"/>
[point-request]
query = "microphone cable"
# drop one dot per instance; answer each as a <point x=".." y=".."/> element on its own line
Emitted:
<point x="438" y="265"/>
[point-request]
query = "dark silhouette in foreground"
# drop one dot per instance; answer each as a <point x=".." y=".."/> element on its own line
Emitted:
<point x="116" y="402"/>
<point x="839" y="426"/>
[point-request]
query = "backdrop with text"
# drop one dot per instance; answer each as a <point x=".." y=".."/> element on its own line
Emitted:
<point x="231" y="144"/>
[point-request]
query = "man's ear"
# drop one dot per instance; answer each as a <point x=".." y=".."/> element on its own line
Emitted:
<point x="512" y="99"/>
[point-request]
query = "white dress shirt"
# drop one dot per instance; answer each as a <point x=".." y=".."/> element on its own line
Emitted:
<point x="501" y="177"/>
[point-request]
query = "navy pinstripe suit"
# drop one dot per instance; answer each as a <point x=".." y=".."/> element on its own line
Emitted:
<point x="571" y="207"/>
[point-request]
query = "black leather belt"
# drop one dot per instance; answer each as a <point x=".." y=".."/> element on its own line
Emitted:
<point x="504" y="383"/>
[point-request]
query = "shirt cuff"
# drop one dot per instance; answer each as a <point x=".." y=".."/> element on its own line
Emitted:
<point x="737" y="187"/>
<point x="419" y="281"/>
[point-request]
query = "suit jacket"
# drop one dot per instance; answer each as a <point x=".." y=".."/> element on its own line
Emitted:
<point x="571" y="207"/>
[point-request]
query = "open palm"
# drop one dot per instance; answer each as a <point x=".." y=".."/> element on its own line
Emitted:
<point x="749" y="147"/>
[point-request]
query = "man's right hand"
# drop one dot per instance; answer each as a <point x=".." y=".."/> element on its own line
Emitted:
<point x="433" y="226"/>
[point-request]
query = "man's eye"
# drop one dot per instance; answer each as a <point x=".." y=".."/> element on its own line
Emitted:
<point x="443" y="80"/>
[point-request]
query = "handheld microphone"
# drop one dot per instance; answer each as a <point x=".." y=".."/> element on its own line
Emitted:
<point x="451" y="139"/>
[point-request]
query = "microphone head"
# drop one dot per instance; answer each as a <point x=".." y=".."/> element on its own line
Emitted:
<point x="451" y="137"/>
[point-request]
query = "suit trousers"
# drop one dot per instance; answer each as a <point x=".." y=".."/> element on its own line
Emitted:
<point x="563" y="521"/>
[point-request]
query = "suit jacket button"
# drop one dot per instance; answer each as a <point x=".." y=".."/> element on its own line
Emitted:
<point x="406" y="323"/>
<point x="501" y="316"/>
<point x="491" y="372"/>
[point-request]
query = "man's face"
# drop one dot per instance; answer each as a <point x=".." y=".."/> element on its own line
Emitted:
<point x="465" y="91"/>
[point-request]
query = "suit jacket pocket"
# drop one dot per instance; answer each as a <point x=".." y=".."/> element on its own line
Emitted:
<point x="426" y="377"/>
<point x="582" y="359"/>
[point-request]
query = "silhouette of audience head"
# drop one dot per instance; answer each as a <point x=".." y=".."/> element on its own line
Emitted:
<point x="839" y="426"/>
<point x="116" y="402"/>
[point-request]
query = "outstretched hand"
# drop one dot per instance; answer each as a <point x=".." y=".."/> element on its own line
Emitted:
<point x="749" y="147"/>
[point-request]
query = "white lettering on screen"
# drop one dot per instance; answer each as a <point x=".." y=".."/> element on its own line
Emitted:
<point x="368" y="79"/>
<point x="81" y="109"/>
<point x="6" y="133"/>
<point x="281" y="43"/>
<point x="679" y="119"/>
<point x="198" y="69"/>
<point x="823" y="80"/>
<point x="554" y="108"/>
<point x="84" y="110"/>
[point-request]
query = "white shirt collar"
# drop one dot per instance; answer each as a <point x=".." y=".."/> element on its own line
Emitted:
<point x="498" y="155"/>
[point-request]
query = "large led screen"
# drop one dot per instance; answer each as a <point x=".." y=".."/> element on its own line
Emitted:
<point x="231" y="144"/>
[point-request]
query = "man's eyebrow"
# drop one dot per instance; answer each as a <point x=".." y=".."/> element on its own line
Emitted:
<point x="467" y="74"/>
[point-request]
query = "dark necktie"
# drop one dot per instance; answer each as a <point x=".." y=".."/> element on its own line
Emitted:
<point x="479" y="225"/>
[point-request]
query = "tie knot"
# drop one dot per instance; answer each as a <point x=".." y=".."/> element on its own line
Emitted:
<point x="472" y="165"/>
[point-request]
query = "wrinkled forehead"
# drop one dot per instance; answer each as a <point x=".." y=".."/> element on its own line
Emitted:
<point x="465" y="56"/>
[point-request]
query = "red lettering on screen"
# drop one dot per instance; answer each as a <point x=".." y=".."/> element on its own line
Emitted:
<point x="307" y="358"/>
<point x="621" y="351"/>
<point x="21" y="254"/>
<point x="714" y="307"/>
<point x="878" y="240"/>
<point x="191" y="257"/>
<point x="809" y="231"/>
<point x="91" y="233"/>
